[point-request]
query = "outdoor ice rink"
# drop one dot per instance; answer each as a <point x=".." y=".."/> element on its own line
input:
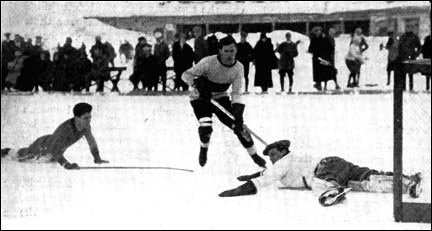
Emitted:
<point x="161" y="131"/>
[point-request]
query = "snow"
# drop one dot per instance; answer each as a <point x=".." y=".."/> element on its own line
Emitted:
<point x="162" y="131"/>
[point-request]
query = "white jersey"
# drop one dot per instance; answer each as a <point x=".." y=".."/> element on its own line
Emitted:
<point x="219" y="74"/>
<point x="290" y="171"/>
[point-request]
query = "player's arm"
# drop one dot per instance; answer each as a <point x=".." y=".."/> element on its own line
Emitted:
<point x="93" y="147"/>
<point x="266" y="178"/>
<point x="57" y="148"/>
<point x="195" y="72"/>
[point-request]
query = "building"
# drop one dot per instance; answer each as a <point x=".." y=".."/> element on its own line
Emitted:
<point x="375" y="18"/>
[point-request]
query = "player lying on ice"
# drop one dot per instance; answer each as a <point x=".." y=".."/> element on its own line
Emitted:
<point x="51" y="148"/>
<point x="330" y="179"/>
<point x="210" y="79"/>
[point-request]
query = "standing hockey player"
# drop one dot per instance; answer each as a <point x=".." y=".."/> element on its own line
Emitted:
<point x="50" y="148"/>
<point x="210" y="79"/>
<point x="330" y="179"/>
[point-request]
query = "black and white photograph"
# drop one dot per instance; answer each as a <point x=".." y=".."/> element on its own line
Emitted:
<point x="204" y="115"/>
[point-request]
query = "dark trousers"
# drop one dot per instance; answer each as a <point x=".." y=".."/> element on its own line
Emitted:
<point x="282" y="74"/>
<point x="205" y="109"/>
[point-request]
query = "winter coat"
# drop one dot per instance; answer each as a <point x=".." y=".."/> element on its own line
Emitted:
<point x="426" y="48"/>
<point x="200" y="49"/>
<point x="321" y="48"/>
<point x="244" y="52"/>
<point x="409" y="46"/>
<point x="183" y="57"/>
<point x="265" y="61"/>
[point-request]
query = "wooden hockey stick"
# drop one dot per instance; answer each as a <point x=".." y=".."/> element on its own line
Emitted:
<point x="226" y="112"/>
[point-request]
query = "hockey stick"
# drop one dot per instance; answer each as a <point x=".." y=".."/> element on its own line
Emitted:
<point x="140" y="168"/>
<point x="226" y="112"/>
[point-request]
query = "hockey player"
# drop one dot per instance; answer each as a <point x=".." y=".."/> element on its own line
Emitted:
<point x="210" y="79"/>
<point x="330" y="179"/>
<point x="50" y="148"/>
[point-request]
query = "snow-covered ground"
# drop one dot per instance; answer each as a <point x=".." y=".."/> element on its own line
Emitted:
<point x="162" y="131"/>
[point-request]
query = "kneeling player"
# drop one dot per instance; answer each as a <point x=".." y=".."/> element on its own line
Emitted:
<point x="331" y="178"/>
<point x="210" y="79"/>
<point x="52" y="147"/>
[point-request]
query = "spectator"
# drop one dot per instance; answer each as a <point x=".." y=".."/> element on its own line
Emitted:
<point x="392" y="47"/>
<point x="84" y="68"/>
<point x="244" y="56"/>
<point x="354" y="60"/>
<point x="213" y="45"/>
<point x="110" y="53"/>
<point x="265" y="60"/>
<point x="200" y="47"/>
<point x="161" y="53"/>
<point x="99" y="71"/>
<point x="27" y="81"/>
<point x="183" y="57"/>
<point x="44" y="71"/>
<point x="288" y="51"/>
<point x="15" y="68"/>
<point x="426" y="51"/>
<point x="139" y="47"/>
<point x="59" y="80"/>
<point x="321" y="51"/>
<point x="8" y="55"/>
<point x="147" y="71"/>
<point x="409" y="49"/>
<point x="363" y="46"/>
<point x="126" y="49"/>
<point x="333" y="75"/>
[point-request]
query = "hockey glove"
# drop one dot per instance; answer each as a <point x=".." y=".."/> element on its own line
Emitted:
<point x="249" y="177"/>
<point x="203" y="86"/>
<point x="247" y="188"/>
<point x="237" y="111"/>
<point x="70" y="166"/>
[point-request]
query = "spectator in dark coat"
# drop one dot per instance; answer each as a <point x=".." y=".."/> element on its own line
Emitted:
<point x="59" y="80"/>
<point x="213" y="45"/>
<point x="201" y="46"/>
<point x="14" y="69"/>
<point x="288" y="51"/>
<point x="321" y="51"/>
<point x="183" y="57"/>
<point x="426" y="48"/>
<point x="28" y="80"/>
<point x="84" y="67"/>
<point x="161" y="53"/>
<point x="44" y="73"/>
<point x="100" y="72"/>
<point x="147" y="69"/>
<point x="409" y="49"/>
<point x="333" y="75"/>
<point x="244" y="56"/>
<point x="7" y="55"/>
<point x="392" y="47"/>
<point x="265" y="60"/>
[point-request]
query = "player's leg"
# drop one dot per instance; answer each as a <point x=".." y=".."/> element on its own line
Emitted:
<point x="242" y="134"/>
<point x="291" y="79"/>
<point x="203" y="113"/>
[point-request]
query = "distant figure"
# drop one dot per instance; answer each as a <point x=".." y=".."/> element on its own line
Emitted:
<point x="409" y="49"/>
<point x="14" y="69"/>
<point x="426" y="51"/>
<point x="110" y="53"/>
<point x="392" y="47"/>
<point x="126" y="50"/>
<point x="146" y="70"/>
<point x="161" y="53"/>
<point x="354" y="59"/>
<point x="44" y="70"/>
<point x="7" y="55"/>
<point x="321" y="50"/>
<point x="183" y="57"/>
<point x="333" y="75"/>
<point x="245" y="56"/>
<point x="358" y="32"/>
<point x="265" y="60"/>
<point x="51" y="148"/>
<point x="200" y="47"/>
<point x="288" y="51"/>
<point x="213" y="45"/>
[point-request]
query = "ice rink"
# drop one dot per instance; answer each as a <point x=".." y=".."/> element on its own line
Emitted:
<point x="156" y="131"/>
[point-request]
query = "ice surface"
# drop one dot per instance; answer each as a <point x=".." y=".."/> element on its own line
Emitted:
<point x="162" y="131"/>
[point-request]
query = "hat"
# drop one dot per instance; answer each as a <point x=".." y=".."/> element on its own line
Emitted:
<point x="280" y="145"/>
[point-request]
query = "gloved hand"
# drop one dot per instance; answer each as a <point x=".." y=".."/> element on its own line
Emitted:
<point x="70" y="166"/>
<point x="100" y="161"/>
<point x="237" y="110"/>
<point x="247" y="188"/>
<point x="203" y="87"/>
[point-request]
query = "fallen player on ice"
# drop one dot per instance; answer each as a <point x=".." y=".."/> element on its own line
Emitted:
<point x="50" y="148"/>
<point x="331" y="179"/>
